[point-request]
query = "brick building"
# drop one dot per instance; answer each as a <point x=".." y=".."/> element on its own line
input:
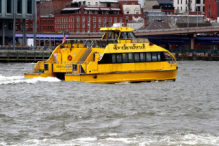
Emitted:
<point x="46" y="11"/>
<point x="83" y="16"/>
<point x="90" y="16"/>
<point x="166" y="6"/>
<point x="211" y="9"/>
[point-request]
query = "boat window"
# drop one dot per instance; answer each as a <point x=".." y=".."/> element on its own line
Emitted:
<point x="136" y="56"/>
<point x="119" y="58"/>
<point x="162" y="56"/>
<point x="148" y="56"/>
<point x="107" y="58"/>
<point x="113" y="58"/>
<point x="46" y="67"/>
<point x="109" y="34"/>
<point x="104" y="36"/>
<point x="154" y="56"/>
<point x="116" y="35"/>
<point x="158" y="56"/>
<point x="74" y="67"/>
<point x="142" y="57"/>
<point x="123" y="35"/>
<point x="169" y="58"/>
<point x="127" y="35"/>
<point x="131" y="59"/>
<point x="131" y="35"/>
<point x="125" y="58"/>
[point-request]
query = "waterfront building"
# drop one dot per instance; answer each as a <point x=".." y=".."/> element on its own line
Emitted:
<point x="186" y="6"/>
<point x="91" y="15"/>
<point x="10" y="12"/>
<point x="84" y="15"/>
<point x="211" y="9"/>
<point x="166" y="6"/>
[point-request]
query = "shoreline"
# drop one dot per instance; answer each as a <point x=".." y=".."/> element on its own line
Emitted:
<point x="43" y="55"/>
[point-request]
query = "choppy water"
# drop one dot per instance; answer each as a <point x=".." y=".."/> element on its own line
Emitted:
<point x="50" y="112"/>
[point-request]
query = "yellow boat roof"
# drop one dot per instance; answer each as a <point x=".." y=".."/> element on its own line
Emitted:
<point x="121" y="29"/>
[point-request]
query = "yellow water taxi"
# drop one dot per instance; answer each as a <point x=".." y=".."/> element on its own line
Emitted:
<point x="117" y="57"/>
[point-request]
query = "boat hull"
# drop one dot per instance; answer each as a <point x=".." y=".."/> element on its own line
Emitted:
<point x="123" y="77"/>
<point x="37" y="75"/>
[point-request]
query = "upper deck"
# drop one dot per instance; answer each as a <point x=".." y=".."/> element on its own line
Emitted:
<point x="117" y="35"/>
<point x="118" y="32"/>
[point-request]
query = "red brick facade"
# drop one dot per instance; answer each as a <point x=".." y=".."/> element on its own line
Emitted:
<point x="47" y="25"/>
<point x="85" y="22"/>
<point x="168" y="11"/>
<point x="211" y="9"/>
<point x="88" y="22"/>
<point x="50" y="18"/>
<point x="45" y="14"/>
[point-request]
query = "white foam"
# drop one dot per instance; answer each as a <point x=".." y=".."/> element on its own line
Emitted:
<point x="172" y="140"/>
<point x="121" y="140"/>
<point x="192" y="139"/>
<point x="21" y="79"/>
<point x="87" y="139"/>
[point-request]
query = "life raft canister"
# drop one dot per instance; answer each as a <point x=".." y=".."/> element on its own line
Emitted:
<point x="69" y="57"/>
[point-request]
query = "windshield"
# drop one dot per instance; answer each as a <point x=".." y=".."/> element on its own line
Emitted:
<point x="127" y="35"/>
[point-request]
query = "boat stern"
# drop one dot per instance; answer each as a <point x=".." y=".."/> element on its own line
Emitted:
<point x="37" y="75"/>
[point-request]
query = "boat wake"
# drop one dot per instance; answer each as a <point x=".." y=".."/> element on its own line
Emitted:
<point x="188" y="140"/>
<point x="4" y="80"/>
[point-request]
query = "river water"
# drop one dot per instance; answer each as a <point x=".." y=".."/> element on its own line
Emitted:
<point x="50" y="112"/>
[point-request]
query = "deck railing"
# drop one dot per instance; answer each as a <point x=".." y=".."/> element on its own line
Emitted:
<point x="93" y="43"/>
<point x="35" y="48"/>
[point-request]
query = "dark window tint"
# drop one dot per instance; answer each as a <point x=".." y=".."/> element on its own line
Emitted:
<point x="133" y="57"/>
<point x="136" y="56"/>
<point x="29" y="6"/>
<point x="9" y="5"/>
<point x="10" y="26"/>
<point x="109" y="35"/>
<point x="106" y="59"/>
<point x="158" y="57"/>
<point x="131" y="35"/>
<point x="130" y="56"/>
<point x="148" y="56"/>
<point x="74" y="67"/>
<point x="116" y="35"/>
<point x="154" y="56"/>
<point x="113" y="58"/>
<point x="46" y="67"/>
<point x="127" y="35"/>
<point x="123" y="35"/>
<point x="142" y="57"/>
<point x="119" y="58"/>
<point x="125" y="57"/>
<point x="162" y="56"/>
<point x="19" y="6"/>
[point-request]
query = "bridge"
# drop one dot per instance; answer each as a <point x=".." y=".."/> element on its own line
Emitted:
<point x="157" y="36"/>
<point x="191" y="32"/>
<point x="139" y="33"/>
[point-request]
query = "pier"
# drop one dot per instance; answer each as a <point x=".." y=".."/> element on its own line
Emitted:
<point x="188" y="54"/>
<point x="42" y="55"/>
<point x="24" y="55"/>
